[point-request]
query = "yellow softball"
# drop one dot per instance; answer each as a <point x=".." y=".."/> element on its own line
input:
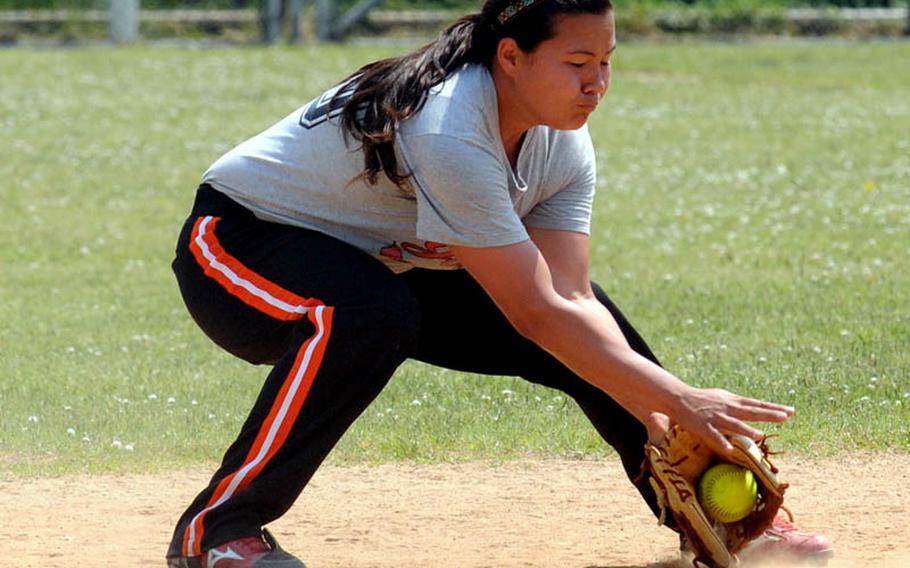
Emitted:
<point x="727" y="492"/>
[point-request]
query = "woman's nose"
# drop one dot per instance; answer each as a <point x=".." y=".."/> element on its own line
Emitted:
<point x="599" y="83"/>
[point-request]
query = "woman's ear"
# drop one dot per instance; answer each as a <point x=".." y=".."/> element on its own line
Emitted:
<point x="509" y="56"/>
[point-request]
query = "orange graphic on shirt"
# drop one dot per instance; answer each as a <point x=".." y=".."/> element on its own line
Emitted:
<point x="429" y="250"/>
<point x="392" y="251"/>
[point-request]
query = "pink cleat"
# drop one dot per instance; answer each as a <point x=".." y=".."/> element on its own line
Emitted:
<point x="261" y="552"/>
<point x="785" y="542"/>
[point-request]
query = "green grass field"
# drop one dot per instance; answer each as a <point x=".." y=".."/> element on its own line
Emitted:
<point x="753" y="219"/>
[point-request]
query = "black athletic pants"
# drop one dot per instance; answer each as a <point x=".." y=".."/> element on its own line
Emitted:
<point x="335" y="323"/>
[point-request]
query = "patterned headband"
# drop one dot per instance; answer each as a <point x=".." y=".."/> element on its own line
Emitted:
<point x="515" y="8"/>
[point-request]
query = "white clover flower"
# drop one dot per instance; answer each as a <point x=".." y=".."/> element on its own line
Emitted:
<point x="71" y="431"/>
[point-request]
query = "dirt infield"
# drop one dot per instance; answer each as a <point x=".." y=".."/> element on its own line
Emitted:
<point x="562" y="514"/>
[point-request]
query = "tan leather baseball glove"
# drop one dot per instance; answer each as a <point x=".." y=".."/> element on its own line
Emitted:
<point x="677" y="464"/>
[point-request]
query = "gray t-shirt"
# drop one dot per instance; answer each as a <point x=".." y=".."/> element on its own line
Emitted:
<point x="464" y="191"/>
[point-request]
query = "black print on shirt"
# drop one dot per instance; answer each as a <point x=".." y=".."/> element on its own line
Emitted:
<point x="326" y="107"/>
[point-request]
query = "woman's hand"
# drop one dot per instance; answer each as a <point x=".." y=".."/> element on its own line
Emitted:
<point x="713" y="414"/>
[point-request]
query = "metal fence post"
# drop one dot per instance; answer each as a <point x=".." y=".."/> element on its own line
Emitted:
<point x="292" y="14"/>
<point x="123" y="20"/>
<point x="270" y="12"/>
<point x="325" y="20"/>
<point x="356" y="14"/>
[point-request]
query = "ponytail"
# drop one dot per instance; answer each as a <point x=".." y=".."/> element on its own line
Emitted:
<point x="390" y="91"/>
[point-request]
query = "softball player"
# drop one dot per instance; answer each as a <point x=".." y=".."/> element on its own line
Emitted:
<point x="437" y="207"/>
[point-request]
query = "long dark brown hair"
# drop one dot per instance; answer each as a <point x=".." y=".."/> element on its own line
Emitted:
<point x="392" y="90"/>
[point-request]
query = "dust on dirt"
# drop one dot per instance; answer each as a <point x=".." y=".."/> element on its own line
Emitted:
<point x="547" y="513"/>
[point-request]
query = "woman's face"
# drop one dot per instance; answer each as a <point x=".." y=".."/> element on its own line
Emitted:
<point x="560" y="83"/>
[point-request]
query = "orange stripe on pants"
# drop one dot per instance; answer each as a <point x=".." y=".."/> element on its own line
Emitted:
<point x="276" y="427"/>
<point x="240" y="281"/>
<point x="269" y="298"/>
